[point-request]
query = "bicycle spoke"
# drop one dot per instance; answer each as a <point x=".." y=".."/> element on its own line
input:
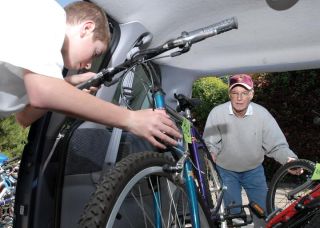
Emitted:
<point x="142" y="208"/>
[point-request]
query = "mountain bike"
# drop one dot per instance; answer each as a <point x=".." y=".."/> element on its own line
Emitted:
<point x="178" y="187"/>
<point x="8" y="179"/>
<point x="293" y="199"/>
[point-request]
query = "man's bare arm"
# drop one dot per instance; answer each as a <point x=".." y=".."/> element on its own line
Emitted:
<point x="29" y="115"/>
<point x="57" y="95"/>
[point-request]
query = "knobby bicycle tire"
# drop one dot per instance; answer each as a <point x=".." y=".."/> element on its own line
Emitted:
<point x="124" y="196"/>
<point x="284" y="182"/>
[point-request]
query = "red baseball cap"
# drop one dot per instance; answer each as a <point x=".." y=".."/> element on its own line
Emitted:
<point x="241" y="79"/>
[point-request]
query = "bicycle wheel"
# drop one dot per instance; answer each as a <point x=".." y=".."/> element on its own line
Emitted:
<point x="286" y="187"/>
<point x="212" y="182"/>
<point x="124" y="198"/>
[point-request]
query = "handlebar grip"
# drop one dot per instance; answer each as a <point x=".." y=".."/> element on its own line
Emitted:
<point x="7" y="164"/>
<point x="212" y="30"/>
<point x="203" y="33"/>
<point x="11" y="160"/>
<point x="224" y="26"/>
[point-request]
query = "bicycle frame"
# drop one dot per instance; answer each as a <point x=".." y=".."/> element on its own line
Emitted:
<point x="160" y="104"/>
<point x="184" y="151"/>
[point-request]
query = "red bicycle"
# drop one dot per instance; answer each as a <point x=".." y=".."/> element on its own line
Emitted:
<point x="293" y="198"/>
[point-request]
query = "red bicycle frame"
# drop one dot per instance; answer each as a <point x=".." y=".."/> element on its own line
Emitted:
<point x="288" y="213"/>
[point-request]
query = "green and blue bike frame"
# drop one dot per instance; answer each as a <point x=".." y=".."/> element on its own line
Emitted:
<point x="187" y="147"/>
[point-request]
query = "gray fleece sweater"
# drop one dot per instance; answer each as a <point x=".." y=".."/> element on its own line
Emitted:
<point x="241" y="143"/>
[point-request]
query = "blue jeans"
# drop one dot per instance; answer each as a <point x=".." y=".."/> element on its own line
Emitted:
<point x="253" y="182"/>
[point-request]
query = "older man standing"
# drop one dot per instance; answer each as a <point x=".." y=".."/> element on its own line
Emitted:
<point x="239" y="133"/>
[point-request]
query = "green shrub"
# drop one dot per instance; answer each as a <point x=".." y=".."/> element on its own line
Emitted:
<point x="13" y="137"/>
<point x="212" y="91"/>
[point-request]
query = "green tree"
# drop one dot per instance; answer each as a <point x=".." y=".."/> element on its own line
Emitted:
<point x="13" y="137"/>
<point x="212" y="91"/>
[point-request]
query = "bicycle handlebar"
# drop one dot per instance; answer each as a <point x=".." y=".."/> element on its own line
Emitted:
<point x="203" y="33"/>
<point x="11" y="160"/>
<point x="186" y="38"/>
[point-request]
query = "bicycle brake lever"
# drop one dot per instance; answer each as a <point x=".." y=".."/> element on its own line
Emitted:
<point x="185" y="49"/>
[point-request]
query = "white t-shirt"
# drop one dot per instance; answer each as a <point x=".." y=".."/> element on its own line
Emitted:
<point x="32" y="36"/>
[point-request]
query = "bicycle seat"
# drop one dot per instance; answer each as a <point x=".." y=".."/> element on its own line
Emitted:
<point x="186" y="103"/>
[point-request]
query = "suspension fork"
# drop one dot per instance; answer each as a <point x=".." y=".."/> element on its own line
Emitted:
<point x="159" y="102"/>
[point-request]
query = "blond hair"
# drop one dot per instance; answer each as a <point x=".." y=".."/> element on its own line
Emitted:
<point x="80" y="11"/>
